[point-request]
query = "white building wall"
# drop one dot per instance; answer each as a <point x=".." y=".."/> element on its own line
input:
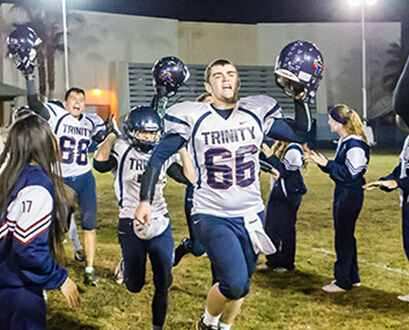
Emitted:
<point x="101" y="47"/>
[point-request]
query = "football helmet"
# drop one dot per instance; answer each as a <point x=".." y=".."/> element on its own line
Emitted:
<point x="299" y="69"/>
<point x="169" y="73"/>
<point x="22" y="112"/>
<point x="143" y="119"/>
<point x="22" y="44"/>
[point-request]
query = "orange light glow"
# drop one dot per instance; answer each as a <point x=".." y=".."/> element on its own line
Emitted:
<point x="96" y="92"/>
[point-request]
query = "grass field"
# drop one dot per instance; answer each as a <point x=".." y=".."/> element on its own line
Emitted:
<point x="276" y="301"/>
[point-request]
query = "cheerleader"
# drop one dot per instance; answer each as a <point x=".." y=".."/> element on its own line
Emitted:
<point x="347" y="170"/>
<point x="284" y="202"/>
<point x="33" y="214"/>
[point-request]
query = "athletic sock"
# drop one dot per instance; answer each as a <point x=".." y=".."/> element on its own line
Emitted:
<point x="73" y="235"/>
<point x="224" y="326"/>
<point x="210" y="319"/>
<point x="156" y="327"/>
<point x="89" y="269"/>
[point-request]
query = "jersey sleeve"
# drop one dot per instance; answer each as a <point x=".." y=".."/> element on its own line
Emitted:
<point x="292" y="160"/>
<point x="31" y="212"/>
<point x="175" y="158"/>
<point x="55" y="112"/>
<point x="180" y="119"/>
<point x="264" y="107"/>
<point x="120" y="146"/>
<point x="355" y="163"/>
<point x="98" y="124"/>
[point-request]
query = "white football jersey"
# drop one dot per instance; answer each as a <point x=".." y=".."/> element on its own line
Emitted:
<point x="74" y="138"/>
<point x="404" y="159"/>
<point x="225" y="152"/>
<point x="127" y="175"/>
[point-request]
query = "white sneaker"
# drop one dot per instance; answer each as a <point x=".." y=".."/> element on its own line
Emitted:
<point x="280" y="270"/>
<point x="119" y="272"/>
<point x="356" y="285"/>
<point x="404" y="298"/>
<point x="333" y="288"/>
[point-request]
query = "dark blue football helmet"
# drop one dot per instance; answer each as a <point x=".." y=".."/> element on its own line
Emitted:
<point x="22" y="112"/>
<point x="143" y="119"/>
<point x="22" y="44"/>
<point x="169" y="73"/>
<point x="299" y="69"/>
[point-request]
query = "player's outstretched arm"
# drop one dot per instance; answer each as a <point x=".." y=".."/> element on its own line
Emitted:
<point x="103" y="160"/>
<point x="302" y="117"/>
<point x="33" y="101"/>
<point x="388" y="184"/>
<point x="293" y="130"/>
<point x="169" y="145"/>
<point x="314" y="157"/>
<point x="104" y="150"/>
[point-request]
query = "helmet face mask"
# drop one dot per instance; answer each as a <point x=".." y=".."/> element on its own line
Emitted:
<point x="292" y="88"/>
<point x="299" y="62"/>
<point x="143" y="128"/>
<point x="169" y="73"/>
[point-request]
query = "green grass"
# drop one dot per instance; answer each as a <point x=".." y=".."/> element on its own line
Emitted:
<point x="276" y="301"/>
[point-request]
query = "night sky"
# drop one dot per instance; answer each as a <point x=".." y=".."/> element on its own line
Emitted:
<point x="249" y="11"/>
<point x="246" y="11"/>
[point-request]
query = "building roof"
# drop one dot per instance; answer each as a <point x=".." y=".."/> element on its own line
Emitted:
<point x="9" y="92"/>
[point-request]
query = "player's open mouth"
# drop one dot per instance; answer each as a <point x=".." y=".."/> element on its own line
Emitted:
<point x="227" y="87"/>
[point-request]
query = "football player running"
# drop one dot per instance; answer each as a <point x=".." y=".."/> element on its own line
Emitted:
<point x="74" y="130"/>
<point x="228" y="210"/>
<point x="127" y="157"/>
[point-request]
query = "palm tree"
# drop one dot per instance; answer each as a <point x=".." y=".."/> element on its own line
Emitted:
<point x="46" y="24"/>
<point x="393" y="68"/>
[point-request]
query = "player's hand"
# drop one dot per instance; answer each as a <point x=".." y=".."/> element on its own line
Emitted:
<point x="389" y="184"/>
<point x="26" y="68"/>
<point x="267" y="150"/>
<point x="275" y="174"/>
<point x="112" y="126"/>
<point x="70" y="291"/>
<point x="143" y="213"/>
<point x="314" y="157"/>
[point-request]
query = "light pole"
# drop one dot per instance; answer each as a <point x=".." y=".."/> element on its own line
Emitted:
<point x="362" y="3"/>
<point x="64" y="28"/>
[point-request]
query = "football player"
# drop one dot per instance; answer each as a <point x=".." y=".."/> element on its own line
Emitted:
<point x="127" y="157"/>
<point x="227" y="213"/>
<point x="74" y="130"/>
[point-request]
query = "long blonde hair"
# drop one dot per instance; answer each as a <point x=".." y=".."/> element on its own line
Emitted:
<point x="349" y="118"/>
<point x="280" y="147"/>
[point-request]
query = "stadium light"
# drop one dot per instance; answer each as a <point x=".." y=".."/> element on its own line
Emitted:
<point x="64" y="29"/>
<point x="362" y="3"/>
